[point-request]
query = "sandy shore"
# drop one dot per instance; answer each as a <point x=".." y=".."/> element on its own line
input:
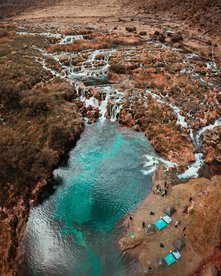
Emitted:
<point x="198" y="226"/>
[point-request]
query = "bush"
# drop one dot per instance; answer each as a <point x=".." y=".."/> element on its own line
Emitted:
<point x="58" y="138"/>
<point x="118" y="69"/>
<point x="70" y="95"/>
<point x="9" y="97"/>
<point x="34" y="105"/>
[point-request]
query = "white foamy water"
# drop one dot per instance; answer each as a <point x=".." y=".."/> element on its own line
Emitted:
<point x="68" y="39"/>
<point x="209" y="127"/>
<point x="192" y="171"/>
<point x="180" y="119"/>
<point x="114" y="112"/>
<point x="152" y="163"/>
<point x="94" y="67"/>
<point x="53" y="35"/>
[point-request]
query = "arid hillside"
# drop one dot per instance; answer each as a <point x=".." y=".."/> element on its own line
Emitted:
<point x="201" y="14"/>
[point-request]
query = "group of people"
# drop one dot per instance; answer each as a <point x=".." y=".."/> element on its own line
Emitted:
<point x="161" y="191"/>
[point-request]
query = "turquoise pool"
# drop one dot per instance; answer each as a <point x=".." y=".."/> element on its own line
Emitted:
<point x="75" y="231"/>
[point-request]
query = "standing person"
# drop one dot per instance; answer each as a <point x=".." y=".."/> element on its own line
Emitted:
<point x="176" y="224"/>
<point x="143" y="224"/>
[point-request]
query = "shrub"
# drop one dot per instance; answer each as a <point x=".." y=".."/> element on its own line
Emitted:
<point x="118" y="69"/>
<point x="70" y="95"/>
<point x="58" y="138"/>
<point x="9" y="97"/>
<point x="34" y="105"/>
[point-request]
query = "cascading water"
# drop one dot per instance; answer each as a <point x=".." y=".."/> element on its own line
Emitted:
<point x="192" y="171"/>
<point x="73" y="232"/>
<point x="70" y="39"/>
<point x="114" y="112"/>
<point x="94" y="69"/>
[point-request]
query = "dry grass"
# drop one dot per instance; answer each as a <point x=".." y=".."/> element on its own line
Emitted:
<point x="78" y="46"/>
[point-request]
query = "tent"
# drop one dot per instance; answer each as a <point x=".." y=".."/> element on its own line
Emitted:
<point x="170" y="210"/>
<point x="179" y="244"/>
<point x="159" y="264"/>
<point x="167" y="219"/>
<point x="176" y="254"/>
<point x="160" y="224"/>
<point x="169" y="259"/>
<point x="150" y="229"/>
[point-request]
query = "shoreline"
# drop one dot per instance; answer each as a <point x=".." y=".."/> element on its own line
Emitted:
<point x="142" y="246"/>
<point x="33" y="200"/>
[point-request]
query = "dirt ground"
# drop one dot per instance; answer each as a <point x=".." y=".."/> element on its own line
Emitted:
<point x="199" y="226"/>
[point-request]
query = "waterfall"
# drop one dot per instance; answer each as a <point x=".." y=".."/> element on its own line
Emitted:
<point x="114" y="112"/>
<point x="180" y="119"/>
<point x="94" y="66"/>
<point x="70" y="39"/>
<point x="193" y="168"/>
<point x="152" y="162"/>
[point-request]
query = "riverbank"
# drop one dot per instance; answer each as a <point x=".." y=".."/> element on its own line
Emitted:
<point x="199" y="225"/>
<point x="38" y="127"/>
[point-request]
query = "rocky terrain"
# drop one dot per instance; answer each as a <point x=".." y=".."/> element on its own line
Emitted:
<point x="157" y="70"/>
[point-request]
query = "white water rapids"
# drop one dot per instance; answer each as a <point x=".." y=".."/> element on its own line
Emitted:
<point x="93" y="70"/>
<point x="192" y="171"/>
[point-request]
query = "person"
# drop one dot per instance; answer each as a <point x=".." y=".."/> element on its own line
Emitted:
<point x="163" y="193"/>
<point x="131" y="218"/>
<point x="166" y="192"/>
<point x="143" y="225"/>
<point x="176" y="223"/>
<point x="185" y="210"/>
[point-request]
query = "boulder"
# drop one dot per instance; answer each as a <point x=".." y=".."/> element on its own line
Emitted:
<point x="142" y="33"/>
<point x="176" y="38"/>
<point x="131" y="29"/>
